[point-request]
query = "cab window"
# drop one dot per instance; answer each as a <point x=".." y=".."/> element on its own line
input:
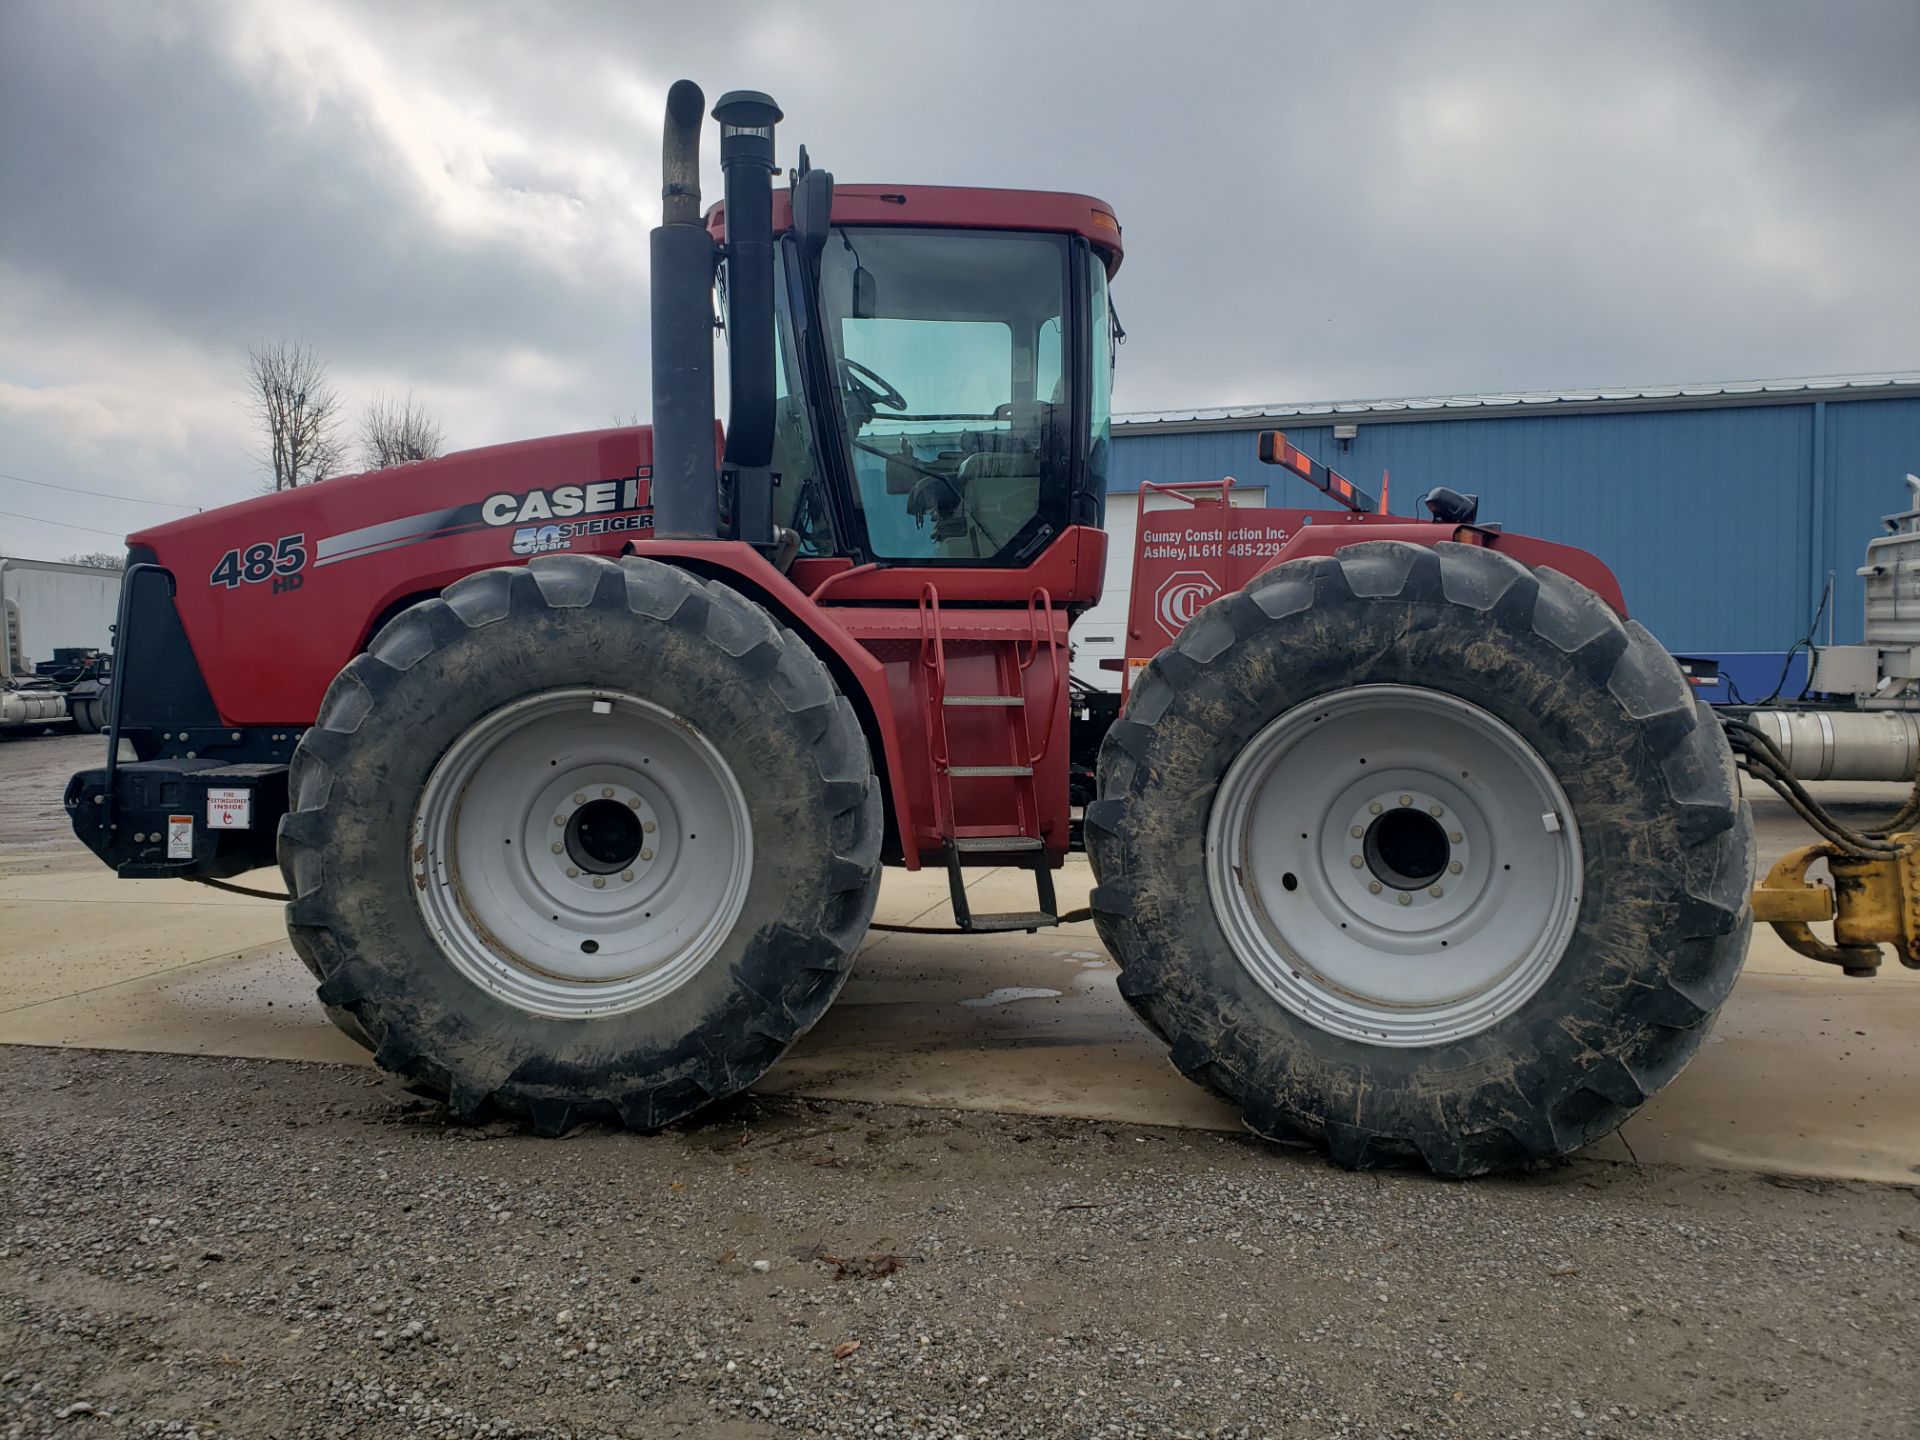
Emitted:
<point x="949" y="356"/>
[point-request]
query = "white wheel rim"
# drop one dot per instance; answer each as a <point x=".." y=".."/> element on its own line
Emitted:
<point x="581" y="852"/>
<point x="1394" y="865"/>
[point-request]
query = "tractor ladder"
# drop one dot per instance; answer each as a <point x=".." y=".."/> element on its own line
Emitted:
<point x="1002" y="737"/>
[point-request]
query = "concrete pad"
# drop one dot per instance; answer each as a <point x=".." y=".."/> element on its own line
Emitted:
<point x="72" y="931"/>
<point x="1807" y="1072"/>
<point x="1802" y="1076"/>
<point x="256" y="1002"/>
<point x="1028" y="1024"/>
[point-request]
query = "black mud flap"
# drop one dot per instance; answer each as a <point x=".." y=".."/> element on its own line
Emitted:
<point x="180" y="817"/>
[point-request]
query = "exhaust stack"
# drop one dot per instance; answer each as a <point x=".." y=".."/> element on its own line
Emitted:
<point x="686" y="498"/>
<point x="747" y="119"/>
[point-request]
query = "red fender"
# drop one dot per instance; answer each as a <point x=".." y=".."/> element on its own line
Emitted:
<point x="738" y="564"/>
<point x="1569" y="560"/>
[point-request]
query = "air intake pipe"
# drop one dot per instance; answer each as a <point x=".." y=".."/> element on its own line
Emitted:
<point x="747" y="119"/>
<point x="686" y="497"/>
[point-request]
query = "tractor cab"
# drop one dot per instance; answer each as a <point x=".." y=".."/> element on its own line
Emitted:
<point x="961" y="365"/>
<point x="921" y="375"/>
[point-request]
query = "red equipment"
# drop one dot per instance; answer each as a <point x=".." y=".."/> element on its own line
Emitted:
<point x="1202" y="546"/>
<point x="581" y="757"/>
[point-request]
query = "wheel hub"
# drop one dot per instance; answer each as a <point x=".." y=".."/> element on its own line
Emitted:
<point x="1394" y="864"/>
<point x="581" y="853"/>
<point x="1406" y="848"/>
<point x="604" y="835"/>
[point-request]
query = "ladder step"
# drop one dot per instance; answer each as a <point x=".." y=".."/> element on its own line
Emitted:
<point x="1009" y="701"/>
<point x="995" y="844"/>
<point x="1014" y="920"/>
<point x="970" y="771"/>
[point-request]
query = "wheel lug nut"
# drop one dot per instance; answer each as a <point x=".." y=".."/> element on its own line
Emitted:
<point x="559" y="819"/>
<point x="1406" y="799"/>
<point x="1455" y="836"/>
<point x="1454" y="868"/>
<point x="646" y="854"/>
<point x="1405" y="899"/>
<point x="1435" y="811"/>
<point x="606" y="792"/>
<point x="647" y="826"/>
<point x="1435" y="891"/>
<point x="1373" y="886"/>
<point x="599" y="882"/>
<point x="579" y="798"/>
<point x="1357" y="831"/>
<point x="626" y="874"/>
<point x="558" y="848"/>
<point x="633" y="802"/>
<point x="573" y="872"/>
<point x="1374" y="808"/>
<point x="1356" y="862"/>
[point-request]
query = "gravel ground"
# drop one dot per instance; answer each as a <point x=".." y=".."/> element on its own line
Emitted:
<point x="244" y="1248"/>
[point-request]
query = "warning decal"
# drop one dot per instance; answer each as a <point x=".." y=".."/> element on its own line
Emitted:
<point x="229" y="809"/>
<point x="179" y="837"/>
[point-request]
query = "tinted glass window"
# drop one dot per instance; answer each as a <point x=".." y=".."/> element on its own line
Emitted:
<point x="949" y="356"/>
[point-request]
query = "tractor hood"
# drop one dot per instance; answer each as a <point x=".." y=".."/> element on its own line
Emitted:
<point x="319" y="568"/>
<point x="427" y="499"/>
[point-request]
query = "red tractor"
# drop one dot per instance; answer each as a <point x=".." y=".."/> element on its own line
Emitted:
<point x="582" y="757"/>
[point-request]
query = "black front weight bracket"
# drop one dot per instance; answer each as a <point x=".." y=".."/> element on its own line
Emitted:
<point x="181" y="818"/>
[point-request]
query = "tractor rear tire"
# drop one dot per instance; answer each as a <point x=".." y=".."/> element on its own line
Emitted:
<point x="1422" y="857"/>
<point x="582" y="839"/>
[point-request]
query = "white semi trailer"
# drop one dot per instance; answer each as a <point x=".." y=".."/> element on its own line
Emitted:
<point x="52" y="613"/>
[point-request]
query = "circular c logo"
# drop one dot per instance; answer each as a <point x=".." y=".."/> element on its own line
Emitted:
<point x="1180" y="597"/>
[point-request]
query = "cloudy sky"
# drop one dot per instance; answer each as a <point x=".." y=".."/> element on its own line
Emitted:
<point x="1320" y="201"/>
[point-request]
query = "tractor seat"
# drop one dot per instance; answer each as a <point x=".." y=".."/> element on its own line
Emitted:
<point x="1003" y="492"/>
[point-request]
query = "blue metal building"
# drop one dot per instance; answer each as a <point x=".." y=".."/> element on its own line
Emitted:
<point x="1723" y="508"/>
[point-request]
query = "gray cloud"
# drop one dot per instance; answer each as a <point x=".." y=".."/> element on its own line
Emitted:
<point x="1319" y="202"/>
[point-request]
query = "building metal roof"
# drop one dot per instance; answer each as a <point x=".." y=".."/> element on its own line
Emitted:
<point x="1897" y="384"/>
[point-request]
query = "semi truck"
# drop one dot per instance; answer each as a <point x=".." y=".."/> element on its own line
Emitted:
<point x="57" y="624"/>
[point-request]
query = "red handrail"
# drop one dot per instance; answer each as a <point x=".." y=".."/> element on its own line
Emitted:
<point x="1180" y="489"/>
<point x="933" y="656"/>
<point x="1045" y="615"/>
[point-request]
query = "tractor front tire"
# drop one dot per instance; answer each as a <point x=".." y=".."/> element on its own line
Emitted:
<point x="1422" y="857"/>
<point x="583" y="839"/>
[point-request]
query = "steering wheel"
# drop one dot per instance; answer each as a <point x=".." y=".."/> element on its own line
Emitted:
<point x="873" y="386"/>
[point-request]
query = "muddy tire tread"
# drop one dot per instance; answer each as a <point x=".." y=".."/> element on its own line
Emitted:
<point x="1656" y="1027"/>
<point x="811" y="963"/>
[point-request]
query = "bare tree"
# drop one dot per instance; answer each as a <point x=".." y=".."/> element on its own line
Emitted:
<point x="397" y="432"/>
<point x="99" y="560"/>
<point x="299" y="411"/>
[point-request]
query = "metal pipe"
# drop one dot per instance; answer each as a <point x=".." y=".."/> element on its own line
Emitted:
<point x="680" y="155"/>
<point x="1844" y="744"/>
<point x="685" y="492"/>
<point x="747" y="119"/>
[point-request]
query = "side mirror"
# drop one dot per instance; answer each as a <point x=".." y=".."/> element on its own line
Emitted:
<point x="813" y="213"/>
<point x="866" y="294"/>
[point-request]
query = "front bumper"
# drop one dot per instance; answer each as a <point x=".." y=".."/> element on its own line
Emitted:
<point x="180" y="817"/>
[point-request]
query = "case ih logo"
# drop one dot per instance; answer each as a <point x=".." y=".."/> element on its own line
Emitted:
<point x="1180" y="597"/>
